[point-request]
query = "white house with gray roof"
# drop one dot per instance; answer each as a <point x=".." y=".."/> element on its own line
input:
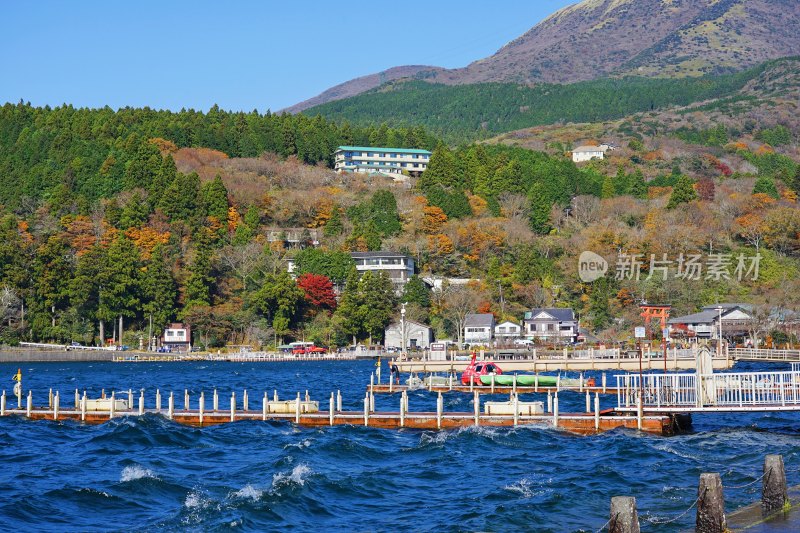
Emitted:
<point x="478" y="328"/>
<point x="549" y="324"/>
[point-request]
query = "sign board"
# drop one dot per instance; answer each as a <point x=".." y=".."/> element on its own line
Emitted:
<point x="665" y="333"/>
<point x="438" y="351"/>
<point x="639" y="333"/>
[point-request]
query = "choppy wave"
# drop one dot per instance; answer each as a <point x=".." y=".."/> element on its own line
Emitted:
<point x="151" y="474"/>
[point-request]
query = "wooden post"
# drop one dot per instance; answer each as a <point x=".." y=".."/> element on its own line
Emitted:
<point x="516" y="407"/>
<point x="450" y="383"/>
<point x="476" y="400"/>
<point x="330" y="409"/>
<point x="233" y="406"/>
<point x="597" y="411"/>
<point x="130" y="399"/>
<point x="55" y="406"/>
<point x="371" y="402"/>
<point x="171" y="405"/>
<point x="77" y="399"/>
<point x="185" y="399"/>
<point x="604" y="382"/>
<point x="141" y="403"/>
<point x="391" y="382"/>
<point x="588" y="401"/>
<point x="555" y="411"/>
<point x="201" y="406"/>
<point x="216" y="400"/>
<point x="536" y="382"/>
<point x="624" y="518"/>
<point x="113" y="402"/>
<point x="264" y="406"/>
<point x="514" y="385"/>
<point x="439" y="409"/>
<point x="471" y="385"/>
<point x="297" y="409"/>
<point x="580" y="383"/>
<point x="50" y="399"/>
<point x="402" y="410"/>
<point x="245" y="405"/>
<point x="275" y="395"/>
<point x="492" y="383"/>
<point x="3" y="404"/>
<point x="366" y="410"/>
<point x="710" y="505"/>
<point x="558" y="383"/>
<point x="83" y="407"/>
<point x="549" y="401"/>
<point x="308" y="398"/>
<point x="339" y="401"/>
<point x="158" y="400"/>
<point x="774" y="492"/>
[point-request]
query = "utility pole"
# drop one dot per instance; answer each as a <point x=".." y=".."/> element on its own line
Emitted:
<point x="403" y="328"/>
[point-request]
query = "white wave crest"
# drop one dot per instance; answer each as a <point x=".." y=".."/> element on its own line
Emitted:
<point x="195" y="500"/>
<point x="248" y="492"/>
<point x="298" y="476"/>
<point x="134" y="472"/>
<point x="523" y="487"/>
<point x="299" y="445"/>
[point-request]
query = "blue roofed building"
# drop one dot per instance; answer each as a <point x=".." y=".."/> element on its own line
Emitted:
<point x="375" y="160"/>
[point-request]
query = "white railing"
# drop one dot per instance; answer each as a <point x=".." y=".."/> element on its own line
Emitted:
<point x="662" y="391"/>
<point x="758" y="354"/>
<point x="65" y="346"/>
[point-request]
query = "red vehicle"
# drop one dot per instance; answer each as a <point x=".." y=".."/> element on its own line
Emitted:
<point x="476" y="369"/>
<point x="303" y="348"/>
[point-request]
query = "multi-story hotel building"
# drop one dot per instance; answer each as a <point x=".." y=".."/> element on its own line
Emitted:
<point x="381" y="160"/>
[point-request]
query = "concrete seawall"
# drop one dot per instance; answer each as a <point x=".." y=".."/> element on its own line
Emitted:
<point x="14" y="355"/>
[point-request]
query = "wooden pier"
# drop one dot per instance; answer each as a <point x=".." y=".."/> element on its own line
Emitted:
<point x="307" y="413"/>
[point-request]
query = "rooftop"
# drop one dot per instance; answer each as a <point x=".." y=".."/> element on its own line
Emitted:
<point x="562" y="314"/>
<point x="369" y="255"/>
<point x="588" y="149"/>
<point x="479" y="320"/>
<point x="381" y="149"/>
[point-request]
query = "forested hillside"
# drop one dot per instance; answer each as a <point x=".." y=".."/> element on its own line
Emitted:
<point x="79" y="155"/>
<point x="144" y="215"/>
<point x="467" y="112"/>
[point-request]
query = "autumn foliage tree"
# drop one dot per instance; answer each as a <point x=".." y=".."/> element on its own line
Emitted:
<point x="318" y="292"/>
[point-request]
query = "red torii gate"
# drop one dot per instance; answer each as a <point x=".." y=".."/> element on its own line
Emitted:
<point x="660" y="312"/>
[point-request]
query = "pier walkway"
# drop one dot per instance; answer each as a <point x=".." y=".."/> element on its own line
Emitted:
<point x="307" y="413"/>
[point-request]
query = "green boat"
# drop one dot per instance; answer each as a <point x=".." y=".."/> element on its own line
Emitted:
<point x="529" y="380"/>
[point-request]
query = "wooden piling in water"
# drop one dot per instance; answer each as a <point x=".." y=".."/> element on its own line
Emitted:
<point x="555" y="411"/>
<point x="233" y="406"/>
<point x="330" y="409"/>
<point x="55" y="406"/>
<point x="112" y="406"/>
<point x="201" y="407"/>
<point x="77" y="399"/>
<point x="158" y="400"/>
<point x="216" y="401"/>
<point x="141" y="403"/>
<point x="171" y="406"/>
<point x="710" y="505"/>
<point x="774" y="491"/>
<point x="3" y="404"/>
<point x="245" y="406"/>
<point x="264" y="406"/>
<point x="624" y="517"/>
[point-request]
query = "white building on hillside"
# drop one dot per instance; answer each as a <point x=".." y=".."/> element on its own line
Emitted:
<point x="479" y="328"/>
<point x="587" y="153"/>
<point x="380" y="160"/>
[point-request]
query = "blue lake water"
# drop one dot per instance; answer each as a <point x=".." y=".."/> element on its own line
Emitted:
<point x="150" y="474"/>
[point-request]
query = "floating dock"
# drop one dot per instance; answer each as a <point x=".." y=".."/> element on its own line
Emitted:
<point x="307" y="413"/>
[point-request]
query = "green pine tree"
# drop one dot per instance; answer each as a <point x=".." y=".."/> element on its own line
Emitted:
<point x="682" y="193"/>
<point x="540" y="206"/>
<point x="766" y="185"/>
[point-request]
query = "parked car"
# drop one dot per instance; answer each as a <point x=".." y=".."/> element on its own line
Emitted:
<point x="523" y="342"/>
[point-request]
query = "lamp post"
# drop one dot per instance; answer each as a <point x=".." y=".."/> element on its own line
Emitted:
<point x="402" y="329"/>
<point x="719" y="324"/>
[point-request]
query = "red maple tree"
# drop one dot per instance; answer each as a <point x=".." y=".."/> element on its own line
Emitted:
<point x="318" y="291"/>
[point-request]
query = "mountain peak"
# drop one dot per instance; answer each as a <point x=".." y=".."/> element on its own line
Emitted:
<point x="601" y="38"/>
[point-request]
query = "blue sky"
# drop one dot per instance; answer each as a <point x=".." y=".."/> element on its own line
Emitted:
<point x="241" y="55"/>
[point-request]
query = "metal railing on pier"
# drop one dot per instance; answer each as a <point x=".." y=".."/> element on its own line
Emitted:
<point x="743" y="391"/>
<point x="759" y="354"/>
